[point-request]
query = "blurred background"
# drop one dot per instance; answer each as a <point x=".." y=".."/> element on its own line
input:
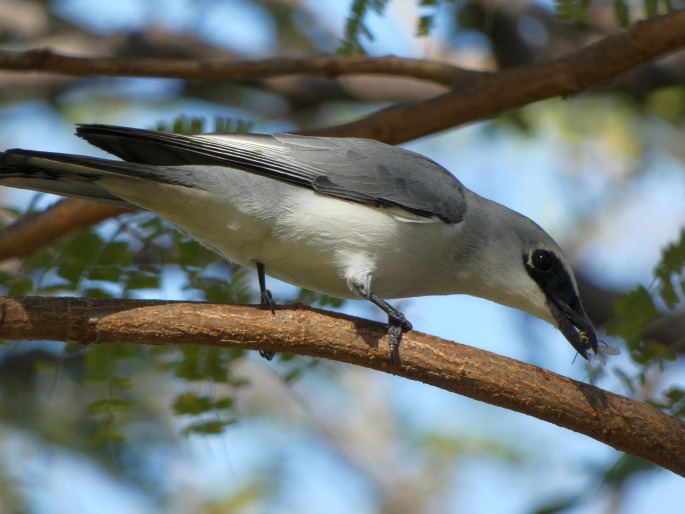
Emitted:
<point x="190" y="429"/>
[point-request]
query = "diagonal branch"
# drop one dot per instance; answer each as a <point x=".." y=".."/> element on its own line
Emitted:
<point x="487" y="94"/>
<point x="627" y="425"/>
<point x="32" y="232"/>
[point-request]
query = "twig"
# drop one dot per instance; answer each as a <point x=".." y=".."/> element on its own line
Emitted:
<point x="198" y="70"/>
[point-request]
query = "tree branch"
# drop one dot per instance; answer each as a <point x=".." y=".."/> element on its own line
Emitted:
<point x="627" y="425"/>
<point x="487" y="94"/>
<point x="474" y="95"/>
<point x="45" y="60"/>
<point x="38" y="230"/>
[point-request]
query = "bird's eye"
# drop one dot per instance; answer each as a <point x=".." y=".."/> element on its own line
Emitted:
<point x="542" y="260"/>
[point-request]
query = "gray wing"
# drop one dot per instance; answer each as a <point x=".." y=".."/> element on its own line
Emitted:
<point x="358" y="170"/>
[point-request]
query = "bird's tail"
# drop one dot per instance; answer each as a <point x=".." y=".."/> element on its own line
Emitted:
<point x="61" y="174"/>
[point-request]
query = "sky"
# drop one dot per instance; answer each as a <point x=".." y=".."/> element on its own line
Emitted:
<point x="542" y="177"/>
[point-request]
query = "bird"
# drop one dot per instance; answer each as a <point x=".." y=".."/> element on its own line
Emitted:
<point x="352" y="218"/>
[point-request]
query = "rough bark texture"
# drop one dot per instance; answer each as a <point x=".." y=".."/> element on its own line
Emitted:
<point x="627" y="425"/>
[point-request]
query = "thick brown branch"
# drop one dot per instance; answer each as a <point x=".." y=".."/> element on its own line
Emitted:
<point x="627" y="425"/>
<point x="485" y="95"/>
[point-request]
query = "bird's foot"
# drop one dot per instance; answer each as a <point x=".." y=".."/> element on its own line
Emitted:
<point x="398" y="324"/>
<point x="266" y="355"/>
<point x="268" y="302"/>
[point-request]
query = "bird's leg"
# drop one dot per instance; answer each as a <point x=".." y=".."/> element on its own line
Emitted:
<point x="266" y="301"/>
<point x="398" y="324"/>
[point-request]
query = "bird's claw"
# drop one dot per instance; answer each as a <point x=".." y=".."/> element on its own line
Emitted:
<point x="396" y="328"/>
<point x="266" y="355"/>
<point x="268" y="301"/>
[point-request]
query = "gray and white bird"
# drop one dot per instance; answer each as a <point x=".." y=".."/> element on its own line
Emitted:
<point x="352" y="218"/>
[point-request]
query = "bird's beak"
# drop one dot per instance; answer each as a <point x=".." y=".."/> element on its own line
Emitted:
<point x="576" y="326"/>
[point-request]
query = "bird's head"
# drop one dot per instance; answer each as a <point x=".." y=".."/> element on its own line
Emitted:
<point x="522" y="267"/>
<point x="549" y="270"/>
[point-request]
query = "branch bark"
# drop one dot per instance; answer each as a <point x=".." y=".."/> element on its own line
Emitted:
<point x="38" y="230"/>
<point x="487" y="94"/>
<point x="627" y="425"/>
<point x="47" y="61"/>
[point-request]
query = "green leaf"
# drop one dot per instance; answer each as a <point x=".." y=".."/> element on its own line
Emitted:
<point x="106" y="273"/>
<point x="668" y="103"/>
<point x="669" y="271"/>
<point x="188" y="252"/>
<point x="424" y="26"/>
<point x="80" y="253"/>
<point x="635" y="310"/>
<point x="622" y="12"/>
<point x="315" y="298"/>
<point x="202" y="363"/>
<point x="355" y="27"/>
<point x="565" y="9"/>
<point x="101" y="360"/>
<point x="108" y="436"/>
<point x="291" y="375"/>
<point x="224" y="403"/>
<point x="116" y="252"/>
<point x="206" y="427"/>
<point x="651" y="8"/>
<point x="675" y="402"/>
<point x="139" y="279"/>
<point x="18" y="285"/>
<point x="189" y="367"/>
<point x="121" y="382"/>
<point x="215" y="365"/>
<point x="572" y="10"/>
<point x="190" y="403"/>
<point x="108" y="405"/>
<point x="625" y="468"/>
<point x="96" y="292"/>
